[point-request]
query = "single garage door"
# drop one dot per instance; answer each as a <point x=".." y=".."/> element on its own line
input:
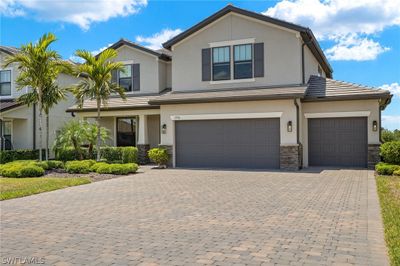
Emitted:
<point x="232" y="143"/>
<point x="338" y="141"/>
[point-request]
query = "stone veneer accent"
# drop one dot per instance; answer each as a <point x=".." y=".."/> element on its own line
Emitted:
<point x="373" y="155"/>
<point x="169" y="151"/>
<point x="291" y="157"/>
<point x="142" y="153"/>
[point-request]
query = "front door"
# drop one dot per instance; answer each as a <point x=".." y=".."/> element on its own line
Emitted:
<point x="126" y="131"/>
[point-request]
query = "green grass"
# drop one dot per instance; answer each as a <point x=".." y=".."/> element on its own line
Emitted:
<point x="389" y="195"/>
<point x="20" y="187"/>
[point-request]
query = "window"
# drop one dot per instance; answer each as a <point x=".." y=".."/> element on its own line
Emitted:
<point x="319" y="71"/>
<point x="7" y="125"/>
<point x="221" y="63"/>
<point x="5" y="82"/>
<point x="126" y="131"/>
<point x="243" y="61"/>
<point x="125" y="78"/>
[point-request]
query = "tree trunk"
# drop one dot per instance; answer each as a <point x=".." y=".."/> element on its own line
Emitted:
<point x="47" y="136"/>
<point x="40" y="131"/>
<point x="98" y="131"/>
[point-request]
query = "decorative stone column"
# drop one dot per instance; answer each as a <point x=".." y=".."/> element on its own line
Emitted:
<point x="169" y="149"/>
<point x="373" y="155"/>
<point x="143" y="140"/>
<point x="290" y="157"/>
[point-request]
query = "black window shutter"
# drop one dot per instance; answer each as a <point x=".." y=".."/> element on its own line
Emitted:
<point x="206" y="64"/>
<point x="114" y="76"/>
<point x="136" y="76"/>
<point x="258" y="60"/>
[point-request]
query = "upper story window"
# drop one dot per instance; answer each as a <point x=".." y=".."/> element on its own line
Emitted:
<point x="125" y="78"/>
<point x="221" y="63"/>
<point x="5" y="82"/>
<point x="243" y="61"/>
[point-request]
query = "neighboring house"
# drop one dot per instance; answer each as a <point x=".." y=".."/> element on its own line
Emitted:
<point x="19" y="124"/>
<point x="242" y="90"/>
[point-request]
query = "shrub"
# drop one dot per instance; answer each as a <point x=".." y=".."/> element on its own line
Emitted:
<point x="386" y="169"/>
<point x="14" y="155"/>
<point x="129" y="154"/>
<point x="79" y="167"/>
<point x="390" y="152"/>
<point x="96" y="166"/>
<point x="71" y="154"/>
<point x="159" y="156"/>
<point x="53" y="164"/>
<point x="111" y="153"/>
<point x="43" y="165"/>
<point x="117" y="169"/>
<point x="396" y="173"/>
<point x="24" y="168"/>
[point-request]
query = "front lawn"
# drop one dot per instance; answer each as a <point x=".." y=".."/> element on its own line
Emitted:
<point x="389" y="195"/>
<point x="19" y="187"/>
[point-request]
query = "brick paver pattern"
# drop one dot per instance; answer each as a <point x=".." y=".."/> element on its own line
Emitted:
<point x="199" y="217"/>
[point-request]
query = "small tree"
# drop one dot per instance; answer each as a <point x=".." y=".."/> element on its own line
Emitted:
<point x="39" y="67"/>
<point x="96" y="83"/>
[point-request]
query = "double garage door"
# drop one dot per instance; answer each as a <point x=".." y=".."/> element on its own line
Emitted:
<point x="232" y="143"/>
<point x="338" y="141"/>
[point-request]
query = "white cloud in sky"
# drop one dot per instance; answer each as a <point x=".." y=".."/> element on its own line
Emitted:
<point x="350" y="24"/>
<point x="81" y="13"/>
<point x="394" y="88"/>
<point x="391" y="121"/>
<point x="77" y="59"/>
<point x="155" y="41"/>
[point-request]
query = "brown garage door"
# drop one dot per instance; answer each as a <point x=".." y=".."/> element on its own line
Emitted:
<point x="233" y="143"/>
<point x="338" y="141"/>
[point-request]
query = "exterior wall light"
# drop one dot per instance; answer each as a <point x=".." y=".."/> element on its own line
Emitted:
<point x="289" y="126"/>
<point x="164" y="129"/>
<point x="374" y="125"/>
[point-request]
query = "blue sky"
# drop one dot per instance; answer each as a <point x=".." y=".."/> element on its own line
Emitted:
<point x="360" y="38"/>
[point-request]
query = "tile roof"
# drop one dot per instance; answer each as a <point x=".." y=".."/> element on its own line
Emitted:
<point x="320" y="88"/>
<point x="8" y="104"/>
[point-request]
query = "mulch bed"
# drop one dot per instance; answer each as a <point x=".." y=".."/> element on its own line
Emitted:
<point x="94" y="177"/>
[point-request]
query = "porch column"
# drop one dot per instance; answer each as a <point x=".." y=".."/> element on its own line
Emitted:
<point x="143" y="140"/>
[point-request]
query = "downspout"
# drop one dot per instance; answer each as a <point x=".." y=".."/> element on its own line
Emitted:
<point x="34" y="127"/>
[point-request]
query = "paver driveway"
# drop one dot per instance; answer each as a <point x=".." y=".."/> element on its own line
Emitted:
<point x="183" y="217"/>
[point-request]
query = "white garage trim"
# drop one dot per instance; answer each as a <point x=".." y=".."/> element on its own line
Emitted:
<point x="226" y="116"/>
<point x="338" y="114"/>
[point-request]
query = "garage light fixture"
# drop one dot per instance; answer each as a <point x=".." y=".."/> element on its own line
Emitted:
<point x="374" y="125"/>
<point x="289" y="126"/>
<point x="164" y="128"/>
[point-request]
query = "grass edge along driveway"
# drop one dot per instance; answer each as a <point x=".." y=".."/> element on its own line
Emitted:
<point x="11" y="188"/>
<point x="389" y="197"/>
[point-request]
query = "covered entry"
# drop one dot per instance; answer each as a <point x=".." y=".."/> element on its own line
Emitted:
<point x="338" y="141"/>
<point x="229" y="143"/>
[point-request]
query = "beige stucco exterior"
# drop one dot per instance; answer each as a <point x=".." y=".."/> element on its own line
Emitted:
<point x="369" y="108"/>
<point x="282" y="53"/>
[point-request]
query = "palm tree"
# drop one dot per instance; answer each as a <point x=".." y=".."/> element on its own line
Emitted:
<point x="96" y="84"/>
<point x="39" y="68"/>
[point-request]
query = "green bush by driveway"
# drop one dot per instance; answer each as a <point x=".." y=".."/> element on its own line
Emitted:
<point x="386" y="169"/>
<point x="390" y="152"/>
<point x="389" y="195"/>
<point x="24" y="168"/>
<point x="79" y="167"/>
<point x="117" y="169"/>
<point x="16" y="187"/>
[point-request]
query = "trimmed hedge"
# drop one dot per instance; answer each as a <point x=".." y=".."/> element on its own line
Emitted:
<point x="159" y="156"/>
<point x="109" y="154"/>
<point x="129" y="154"/>
<point x="117" y="169"/>
<point x="15" y="155"/>
<point x="390" y="152"/>
<point x="79" y="167"/>
<point x="396" y="173"/>
<point x="386" y="169"/>
<point x="24" y="168"/>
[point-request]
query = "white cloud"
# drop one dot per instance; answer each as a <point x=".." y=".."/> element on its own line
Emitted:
<point x="341" y="20"/>
<point x="81" y="13"/>
<point x="154" y="41"/>
<point x="77" y="59"/>
<point x="353" y="47"/>
<point x="394" y="89"/>
<point x="391" y="121"/>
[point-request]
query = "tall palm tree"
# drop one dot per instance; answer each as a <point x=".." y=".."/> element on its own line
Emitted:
<point x="96" y="84"/>
<point x="39" y="68"/>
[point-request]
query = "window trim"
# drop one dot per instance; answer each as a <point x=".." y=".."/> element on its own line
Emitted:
<point x="241" y="61"/>
<point x="11" y="83"/>
<point x="229" y="62"/>
<point x="126" y="78"/>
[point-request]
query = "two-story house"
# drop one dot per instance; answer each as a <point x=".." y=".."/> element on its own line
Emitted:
<point x="19" y="124"/>
<point x="242" y="90"/>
